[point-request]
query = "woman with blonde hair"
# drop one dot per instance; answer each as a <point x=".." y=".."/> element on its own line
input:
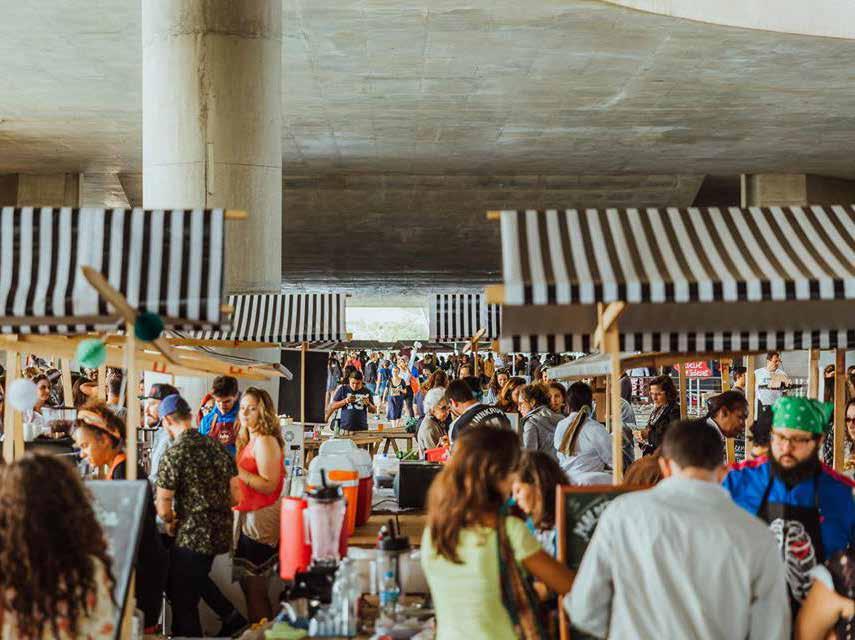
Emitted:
<point x="260" y="449"/>
<point x="55" y="575"/>
<point x="473" y="551"/>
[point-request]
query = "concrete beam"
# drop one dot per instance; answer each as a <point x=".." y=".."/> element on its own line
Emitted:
<point x="771" y="190"/>
<point x="41" y="190"/>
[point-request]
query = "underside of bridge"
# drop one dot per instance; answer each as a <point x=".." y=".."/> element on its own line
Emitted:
<point x="404" y="122"/>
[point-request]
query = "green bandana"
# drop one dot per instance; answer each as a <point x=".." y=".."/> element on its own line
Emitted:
<point x="804" y="414"/>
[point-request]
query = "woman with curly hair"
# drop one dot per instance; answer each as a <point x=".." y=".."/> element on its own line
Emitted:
<point x="260" y="471"/>
<point x="473" y="550"/>
<point x="55" y="576"/>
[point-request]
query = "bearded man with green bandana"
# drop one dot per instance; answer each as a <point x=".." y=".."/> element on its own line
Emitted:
<point x="808" y="506"/>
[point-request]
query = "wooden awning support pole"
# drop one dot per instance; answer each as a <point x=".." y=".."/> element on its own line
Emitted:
<point x="684" y="392"/>
<point x="103" y="394"/>
<point x="813" y="374"/>
<point x="10" y="416"/>
<point x="611" y="343"/>
<point x="67" y="388"/>
<point x="304" y="348"/>
<point x="131" y="393"/>
<point x="730" y="443"/>
<point x="751" y="395"/>
<point x="839" y="404"/>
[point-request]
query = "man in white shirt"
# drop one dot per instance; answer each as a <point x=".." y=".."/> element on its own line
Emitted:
<point x="681" y="560"/>
<point x="770" y="376"/>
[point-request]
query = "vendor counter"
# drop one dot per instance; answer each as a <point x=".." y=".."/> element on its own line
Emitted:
<point x="410" y="524"/>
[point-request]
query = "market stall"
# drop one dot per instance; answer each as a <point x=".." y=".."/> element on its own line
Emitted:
<point x="696" y="283"/>
<point x="464" y="317"/>
<point x="165" y="263"/>
<point x="277" y="320"/>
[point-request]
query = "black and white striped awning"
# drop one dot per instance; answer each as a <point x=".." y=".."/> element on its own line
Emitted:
<point x="697" y="279"/>
<point x="281" y="318"/>
<point x="167" y="262"/>
<point x="456" y="317"/>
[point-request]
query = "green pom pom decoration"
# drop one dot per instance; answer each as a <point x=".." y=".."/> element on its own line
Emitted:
<point x="148" y="326"/>
<point x="91" y="353"/>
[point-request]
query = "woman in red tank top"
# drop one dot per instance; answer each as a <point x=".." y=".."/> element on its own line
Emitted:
<point x="261" y="476"/>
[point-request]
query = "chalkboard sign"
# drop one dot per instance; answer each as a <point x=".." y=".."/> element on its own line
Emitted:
<point x="578" y="510"/>
<point x="119" y="506"/>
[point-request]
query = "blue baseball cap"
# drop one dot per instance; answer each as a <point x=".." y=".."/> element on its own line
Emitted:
<point x="171" y="404"/>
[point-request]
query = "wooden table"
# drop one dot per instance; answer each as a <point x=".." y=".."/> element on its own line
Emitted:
<point x="373" y="441"/>
<point x="412" y="524"/>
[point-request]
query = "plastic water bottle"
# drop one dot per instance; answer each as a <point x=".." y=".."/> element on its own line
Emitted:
<point x="389" y="593"/>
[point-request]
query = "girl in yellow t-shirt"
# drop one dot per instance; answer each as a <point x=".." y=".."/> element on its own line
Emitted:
<point x="468" y="538"/>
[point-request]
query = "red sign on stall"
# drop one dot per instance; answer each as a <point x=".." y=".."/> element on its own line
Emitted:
<point x="697" y="370"/>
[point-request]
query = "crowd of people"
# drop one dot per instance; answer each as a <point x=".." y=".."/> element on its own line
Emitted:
<point x="215" y="483"/>
<point x="767" y="539"/>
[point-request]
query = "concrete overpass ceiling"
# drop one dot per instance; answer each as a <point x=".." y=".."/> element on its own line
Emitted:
<point x="828" y="18"/>
<point x="435" y="86"/>
<point x="405" y="120"/>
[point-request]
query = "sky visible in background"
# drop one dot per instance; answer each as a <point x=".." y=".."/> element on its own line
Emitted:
<point x="387" y="323"/>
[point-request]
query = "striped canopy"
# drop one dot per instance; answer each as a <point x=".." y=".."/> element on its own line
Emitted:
<point x="697" y="279"/>
<point x="167" y="262"/>
<point x="281" y="318"/>
<point x="456" y="317"/>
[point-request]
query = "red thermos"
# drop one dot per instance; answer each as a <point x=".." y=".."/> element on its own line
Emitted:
<point x="295" y="554"/>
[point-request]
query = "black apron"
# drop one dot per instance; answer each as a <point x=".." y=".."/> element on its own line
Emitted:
<point x="799" y="536"/>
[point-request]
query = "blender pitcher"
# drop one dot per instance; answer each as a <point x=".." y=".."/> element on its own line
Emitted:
<point x="323" y="519"/>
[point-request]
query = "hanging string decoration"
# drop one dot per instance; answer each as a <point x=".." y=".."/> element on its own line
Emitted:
<point x="148" y="326"/>
<point x="22" y="394"/>
<point x="91" y="353"/>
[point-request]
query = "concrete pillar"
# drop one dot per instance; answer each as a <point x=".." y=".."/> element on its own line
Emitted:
<point x="40" y="190"/>
<point x="771" y="190"/>
<point x="212" y="122"/>
<point x="212" y="137"/>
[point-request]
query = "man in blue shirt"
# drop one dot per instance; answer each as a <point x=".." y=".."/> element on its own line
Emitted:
<point x="355" y="402"/>
<point x="807" y="505"/>
<point x="221" y="423"/>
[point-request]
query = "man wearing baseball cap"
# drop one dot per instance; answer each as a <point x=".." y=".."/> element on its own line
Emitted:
<point x="808" y="506"/>
<point x="196" y="490"/>
<point x="161" y="442"/>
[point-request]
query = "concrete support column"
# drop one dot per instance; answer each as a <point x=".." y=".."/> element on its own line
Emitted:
<point x="781" y="190"/>
<point x="212" y="137"/>
<point x="41" y="190"/>
<point x="212" y="122"/>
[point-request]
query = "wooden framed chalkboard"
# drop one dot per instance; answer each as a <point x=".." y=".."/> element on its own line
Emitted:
<point x="119" y="506"/>
<point x="577" y="512"/>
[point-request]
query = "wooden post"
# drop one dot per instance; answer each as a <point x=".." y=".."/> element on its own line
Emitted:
<point x="102" y="382"/>
<point x="813" y="374"/>
<point x="13" y="362"/>
<point x="67" y="389"/>
<point x="611" y="344"/>
<point x="131" y="386"/>
<point x="475" y="358"/>
<point x="681" y="368"/>
<point x="751" y="396"/>
<point x="304" y="348"/>
<point x="730" y="444"/>
<point x="839" y="404"/>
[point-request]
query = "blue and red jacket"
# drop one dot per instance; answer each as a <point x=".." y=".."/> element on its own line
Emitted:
<point x="747" y="482"/>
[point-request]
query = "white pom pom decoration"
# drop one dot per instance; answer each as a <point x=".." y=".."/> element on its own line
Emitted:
<point x="22" y="394"/>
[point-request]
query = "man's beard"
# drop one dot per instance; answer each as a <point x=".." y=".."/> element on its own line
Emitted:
<point x="799" y="473"/>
